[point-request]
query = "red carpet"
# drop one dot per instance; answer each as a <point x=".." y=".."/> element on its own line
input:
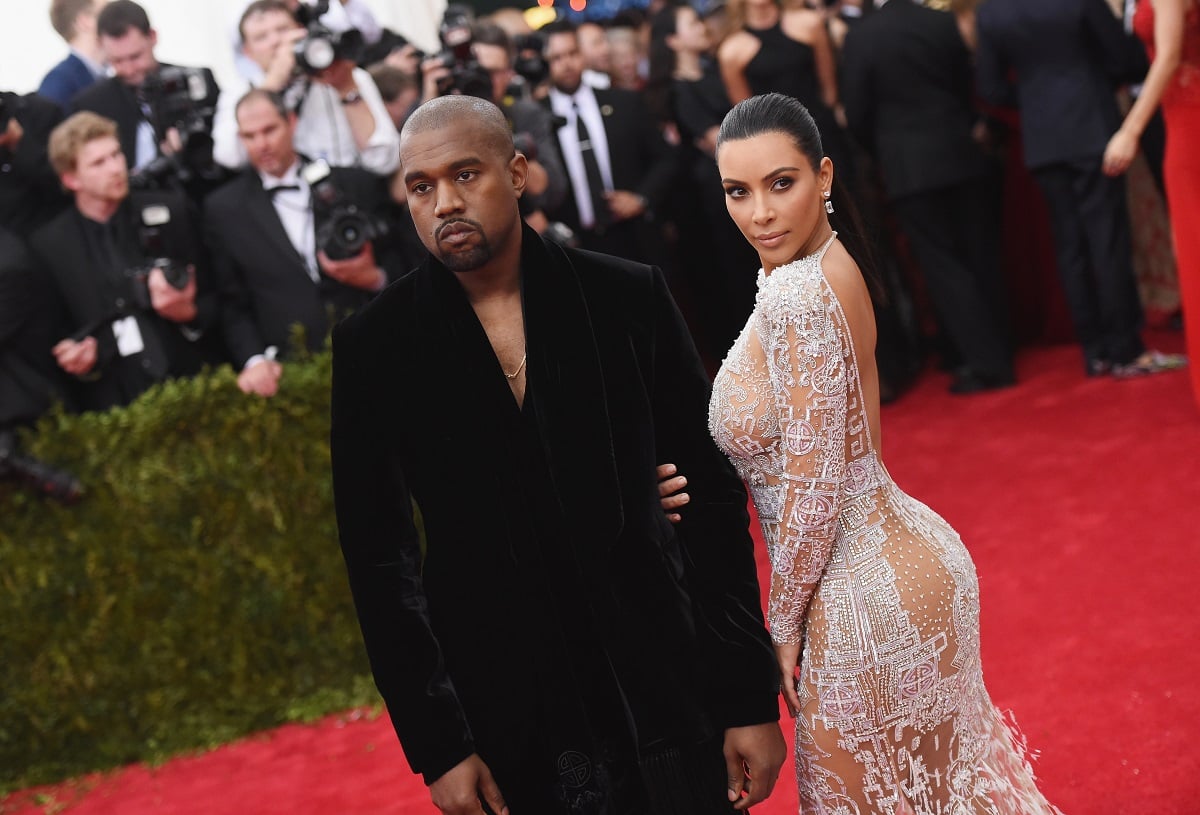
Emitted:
<point x="1079" y="500"/>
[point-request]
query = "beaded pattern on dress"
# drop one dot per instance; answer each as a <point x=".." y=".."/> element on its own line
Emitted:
<point x="877" y="587"/>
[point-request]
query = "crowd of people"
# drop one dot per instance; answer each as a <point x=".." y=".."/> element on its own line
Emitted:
<point x="164" y="223"/>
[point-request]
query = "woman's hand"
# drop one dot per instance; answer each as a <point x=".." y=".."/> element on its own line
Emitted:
<point x="1122" y="147"/>
<point x="788" y="657"/>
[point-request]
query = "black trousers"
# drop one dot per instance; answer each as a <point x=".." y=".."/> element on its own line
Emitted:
<point x="955" y="235"/>
<point x="1093" y="245"/>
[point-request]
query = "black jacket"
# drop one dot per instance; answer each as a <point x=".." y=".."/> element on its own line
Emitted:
<point x="1068" y="58"/>
<point x="264" y="285"/>
<point x="92" y="297"/>
<point x="30" y="193"/>
<point x="907" y="89"/>
<point x="465" y="645"/>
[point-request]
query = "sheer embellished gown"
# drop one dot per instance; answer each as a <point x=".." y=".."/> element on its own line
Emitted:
<point x="877" y="587"/>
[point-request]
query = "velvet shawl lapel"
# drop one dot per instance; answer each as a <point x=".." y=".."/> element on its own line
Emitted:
<point x="566" y="387"/>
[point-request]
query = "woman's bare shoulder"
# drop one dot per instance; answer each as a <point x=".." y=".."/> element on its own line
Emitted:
<point x="803" y="24"/>
<point x="738" y="48"/>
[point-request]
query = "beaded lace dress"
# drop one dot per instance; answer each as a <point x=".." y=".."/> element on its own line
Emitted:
<point x="877" y="587"/>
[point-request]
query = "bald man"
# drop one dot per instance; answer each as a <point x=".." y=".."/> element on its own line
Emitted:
<point x="552" y="644"/>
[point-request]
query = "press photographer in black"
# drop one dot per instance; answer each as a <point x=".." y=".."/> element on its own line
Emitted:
<point x="128" y="272"/>
<point x="163" y="112"/>
<point x="30" y="382"/>
<point x="29" y="191"/>
<point x="294" y="242"/>
<point x="479" y="59"/>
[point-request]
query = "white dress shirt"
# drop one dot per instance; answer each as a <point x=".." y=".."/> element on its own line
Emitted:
<point x="565" y="105"/>
<point x="322" y="130"/>
<point x="294" y="208"/>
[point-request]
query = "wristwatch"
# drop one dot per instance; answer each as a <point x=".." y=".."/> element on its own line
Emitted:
<point x="351" y="97"/>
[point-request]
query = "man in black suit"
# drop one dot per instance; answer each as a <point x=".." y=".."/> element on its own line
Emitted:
<point x="266" y="228"/>
<point x="556" y="645"/>
<point x="30" y="193"/>
<point x="146" y="132"/>
<point x="127" y="270"/>
<point x="1068" y="58"/>
<point x="907" y="90"/>
<point x="617" y="161"/>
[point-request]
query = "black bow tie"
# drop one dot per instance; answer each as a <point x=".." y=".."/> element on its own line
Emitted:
<point x="271" y="191"/>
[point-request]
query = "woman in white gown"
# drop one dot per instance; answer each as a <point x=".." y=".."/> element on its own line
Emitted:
<point x="874" y="603"/>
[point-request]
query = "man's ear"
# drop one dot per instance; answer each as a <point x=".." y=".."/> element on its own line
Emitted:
<point x="70" y="181"/>
<point x="518" y="169"/>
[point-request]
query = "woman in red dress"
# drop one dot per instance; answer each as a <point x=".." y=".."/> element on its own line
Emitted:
<point x="1171" y="31"/>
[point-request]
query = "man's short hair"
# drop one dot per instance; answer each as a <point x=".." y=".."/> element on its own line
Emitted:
<point x="558" y="27"/>
<point x="260" y="7"/>
<point x="486" y="33"/>
<point x="445" y="112"/>
<point x="72" y="134"/>
<point x="65" y="13"/>
<point x="119" y="16"/>
<point x="391" y="81"/>
<point x="275" y="100"/>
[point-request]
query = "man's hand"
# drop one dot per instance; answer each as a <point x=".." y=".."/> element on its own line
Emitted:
<point x="360" y="271"/>
<point x="279" y="70"/>
<point x="76" y="358"/>
<point x="624" y="204"/>
<point x="11" y="137"/>
<point x="669" y="485"/>
<point x="176" y="305"/>
<point x="433" y="71"/>
<point x="261" y="378"/>
<point x="460" y="791"/>
<point x="753" y="756"/>
<point x="173" y="144"/>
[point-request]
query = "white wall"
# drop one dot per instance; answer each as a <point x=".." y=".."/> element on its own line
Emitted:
<point x="190" y="32"/>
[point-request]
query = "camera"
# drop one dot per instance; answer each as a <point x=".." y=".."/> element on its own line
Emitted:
<point x="343" y="228"/>
<point x="38" y="475"/>
<point x="529" y="64"/>
<point x="467" y="76"/>
<point x="153" y="247"/>
<point x="176" y="98"/>
<point x="322" y="46"/>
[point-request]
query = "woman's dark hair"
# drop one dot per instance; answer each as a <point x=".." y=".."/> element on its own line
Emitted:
<point x="657" y="93"/>
<point x="779" y="113"/>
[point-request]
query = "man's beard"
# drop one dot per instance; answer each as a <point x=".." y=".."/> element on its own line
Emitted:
<point x="470" y="259"/>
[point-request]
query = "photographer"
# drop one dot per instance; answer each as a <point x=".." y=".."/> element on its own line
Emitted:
<point x="294" y="242"/>
<point x="126" y="270"/>
<point x="340" y="115"/>
<point x="29" y="191"/>
<point x="30" y="382"/>
<point x="162" y="111"/>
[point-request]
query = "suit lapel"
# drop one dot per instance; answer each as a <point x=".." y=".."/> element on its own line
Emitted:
<point x="258" y="202"/>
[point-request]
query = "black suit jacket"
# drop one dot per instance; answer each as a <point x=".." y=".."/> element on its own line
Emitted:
<point x="91" y="302"/>
<point x="421" y="409"/>
<point x="1067" y="57"/>
<point x="264" y="286"/>
<point x="115" y="100"/>
<point x="30" y="192"/>
<point x="30" y="379"/>
<point x="906" y="86"/>
<point x="642" y="161"/>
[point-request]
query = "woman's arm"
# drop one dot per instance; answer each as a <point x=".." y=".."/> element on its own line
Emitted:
<point x="1168" y="49"/>
<point x="733" y="56"/>
<point x="809" y="27"/>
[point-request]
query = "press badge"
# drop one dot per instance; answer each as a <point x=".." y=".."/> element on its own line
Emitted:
<point x="129" y="336"/>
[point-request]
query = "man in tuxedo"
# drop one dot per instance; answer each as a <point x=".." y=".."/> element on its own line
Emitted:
<point x="1068" y="58"/>
<point x="127" y="270"/>
<point x="907" y="91"/>
<point x="128" y="42"/>
<point x="75" y="22"/>
<point x="617" y="161"/>
<point x="554" y="645"/>
<point x="265" y="229"/>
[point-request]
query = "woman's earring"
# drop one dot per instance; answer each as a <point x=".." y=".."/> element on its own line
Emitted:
<point x="828" y="203"/>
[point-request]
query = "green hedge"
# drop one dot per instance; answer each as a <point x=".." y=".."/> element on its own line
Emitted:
<point x="197" y="592"/>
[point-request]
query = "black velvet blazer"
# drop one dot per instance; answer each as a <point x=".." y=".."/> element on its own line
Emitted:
<point x="421" y="408"/>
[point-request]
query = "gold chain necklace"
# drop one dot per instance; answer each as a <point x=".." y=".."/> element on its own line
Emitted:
<point x="520" y="367"/>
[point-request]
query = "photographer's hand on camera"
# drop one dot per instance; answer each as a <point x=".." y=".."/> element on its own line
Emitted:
<point x="261" y="378"/>
<point x="360" y="271"/>
<point x="77" y="358"/>
<point x="11" y="137"/>
<point x="281" y="70"/>
<point x="176" y="305"/>
<point x="434" y="75"/>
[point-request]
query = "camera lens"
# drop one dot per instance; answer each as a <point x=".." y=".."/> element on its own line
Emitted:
<point x="318" y="53"/>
